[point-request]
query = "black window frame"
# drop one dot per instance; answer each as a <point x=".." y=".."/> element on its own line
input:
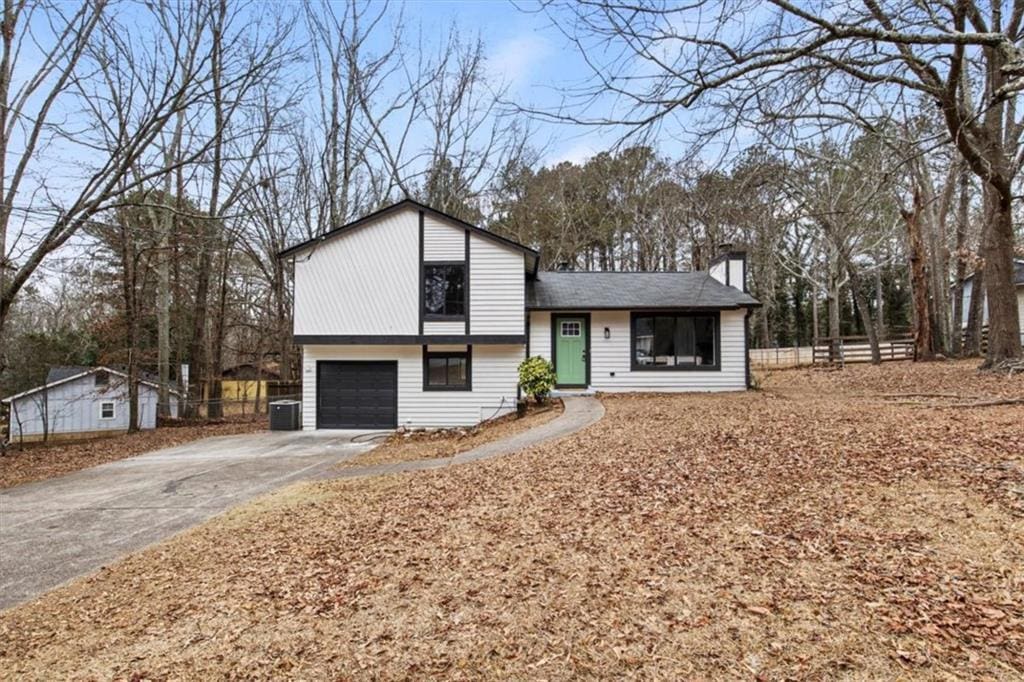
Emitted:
<point x="716" y="317"/>
<point x="466" y="355"/>
<point x="445" y="317"/>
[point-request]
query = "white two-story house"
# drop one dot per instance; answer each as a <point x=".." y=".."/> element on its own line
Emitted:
<point x="410" y="317"/>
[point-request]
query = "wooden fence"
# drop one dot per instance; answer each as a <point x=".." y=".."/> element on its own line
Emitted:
<point x="794" y="356"/>
<point x="840" y="350"/>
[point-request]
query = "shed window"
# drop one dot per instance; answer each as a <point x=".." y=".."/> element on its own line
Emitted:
<point x="448" y="371"/>
<point x="107" y="410"/>
<point x="444" y="291"/>
<point x="682" y="341"/>
<point x="102" y="378"/>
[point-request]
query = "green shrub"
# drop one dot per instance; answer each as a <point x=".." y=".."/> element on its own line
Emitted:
<point x="536" y="377"/>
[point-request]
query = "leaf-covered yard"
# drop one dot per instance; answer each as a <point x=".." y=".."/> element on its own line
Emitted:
<point x="827" y="526"/>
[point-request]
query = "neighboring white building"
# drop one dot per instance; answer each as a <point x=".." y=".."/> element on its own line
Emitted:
<point x="80" y="402"/>
<point x="1018" y="278"/>
<point x="410" y="317"/>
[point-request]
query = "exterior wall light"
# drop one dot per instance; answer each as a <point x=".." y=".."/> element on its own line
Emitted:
<point x="607" y="333"/>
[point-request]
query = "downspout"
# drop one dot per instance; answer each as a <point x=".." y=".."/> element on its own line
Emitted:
<point x="746" y="345"/>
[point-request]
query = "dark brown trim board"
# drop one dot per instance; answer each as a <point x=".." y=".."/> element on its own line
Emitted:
<point x="465" y="285"/>
<point x="407" y="340"/>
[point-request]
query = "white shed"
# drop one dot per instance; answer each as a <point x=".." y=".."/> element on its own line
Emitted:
<point x="81" y="402"/>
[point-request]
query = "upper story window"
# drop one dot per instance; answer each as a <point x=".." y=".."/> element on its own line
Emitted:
<point x="102" y="378"/>
<point x="675" y="341"/>
<point x="444" y="291"/>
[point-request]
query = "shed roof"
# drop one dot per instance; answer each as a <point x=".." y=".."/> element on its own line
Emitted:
<point x="65" y="373"/>
<point x="632" y="290"/>
<point x="1018" y="272"/>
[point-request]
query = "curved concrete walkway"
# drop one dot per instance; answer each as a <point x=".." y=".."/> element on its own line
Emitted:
<point x="580" y="412"/>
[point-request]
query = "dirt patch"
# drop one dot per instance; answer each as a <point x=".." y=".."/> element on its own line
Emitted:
<point x="39" y="461"/>
<point x="416" y="445"/>
<point x="804" y="534"/>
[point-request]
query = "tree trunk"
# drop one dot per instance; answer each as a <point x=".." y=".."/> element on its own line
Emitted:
<point x="975" y="315"/>
<point x="961" y="262"/>
<point x="997" y="252"/>
<point x="865" y="315"/>
<point x="880" y="324"/>
<point x="923" y="348"/>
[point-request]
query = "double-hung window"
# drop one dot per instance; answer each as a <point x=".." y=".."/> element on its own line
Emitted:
<point x="444" y="291"/>
<point x="675" y="341"/>
<point x="107" y="409"/>
<point x="447" y="371"/>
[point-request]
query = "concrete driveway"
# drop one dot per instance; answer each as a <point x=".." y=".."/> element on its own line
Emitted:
<point x="62" y="528"/>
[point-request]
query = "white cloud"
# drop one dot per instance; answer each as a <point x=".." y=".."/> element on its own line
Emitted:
<point x="513" y="60"/>
<point x="577" y="154"/>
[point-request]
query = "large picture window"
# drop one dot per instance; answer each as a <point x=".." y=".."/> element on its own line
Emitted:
<point x="675" y="341"/>
<point x="444" y="291"/>
<point x="447" y="371"/>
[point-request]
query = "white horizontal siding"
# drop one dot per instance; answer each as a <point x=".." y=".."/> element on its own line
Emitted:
<point x="612" y="356"/>
<point x="442" y="241"/>
<point x="494" y="371"/>
<point x="444" y="327"/>
<point x="497" y="292"/>
<point x="363" y="282"/>
<point x="540" y="334"/>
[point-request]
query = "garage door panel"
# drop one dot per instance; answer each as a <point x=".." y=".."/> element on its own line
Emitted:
<point x="353" y="395"/>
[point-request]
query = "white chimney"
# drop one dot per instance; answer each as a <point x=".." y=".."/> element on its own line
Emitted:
<point x="730" y="266"/>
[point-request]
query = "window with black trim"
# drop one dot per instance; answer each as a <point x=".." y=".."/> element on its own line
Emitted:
<point x="444" y="291"/>
<point x="447" y="371"/>
<point x="675" y="341"/>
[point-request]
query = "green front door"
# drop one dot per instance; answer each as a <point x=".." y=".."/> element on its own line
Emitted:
<point x="571" y="351"/>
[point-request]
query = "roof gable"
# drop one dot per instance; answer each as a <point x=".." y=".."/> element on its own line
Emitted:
<point x="413" y="205"/>
<point x="64" y="375"/>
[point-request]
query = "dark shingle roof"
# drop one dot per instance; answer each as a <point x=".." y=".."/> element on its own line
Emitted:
<point x="632" y="290"/>
<point x="1018" y="272"/>
<point x="65" y="371"/>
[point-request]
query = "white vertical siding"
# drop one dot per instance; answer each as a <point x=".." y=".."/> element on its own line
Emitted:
<point x="442" y="241"/>
<point x="610" y="360"/>
<point x="1020" y="311"/>
<point x="494" y="370"/>
<point x="718" y="271"/>
<point x="363" y="282"/>
<point x="497" y="292"/>
<point x="74" y="407"/>
<point x="736" y="268"/>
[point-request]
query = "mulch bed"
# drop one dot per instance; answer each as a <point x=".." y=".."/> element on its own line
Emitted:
<point x="38" y="461"/>
<point x="792" y="533"/>
<point x="405" y="446"/>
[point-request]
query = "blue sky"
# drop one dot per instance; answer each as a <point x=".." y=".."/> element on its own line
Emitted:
<point x="525" y="51"/>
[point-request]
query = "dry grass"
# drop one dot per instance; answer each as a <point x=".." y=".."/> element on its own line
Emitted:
<point x="804" y="533"/>
<point x="415" y="445"/>
<point x="39" y="461"/>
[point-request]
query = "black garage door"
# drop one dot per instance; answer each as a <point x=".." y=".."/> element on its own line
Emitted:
<point x="357" y="395"/>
